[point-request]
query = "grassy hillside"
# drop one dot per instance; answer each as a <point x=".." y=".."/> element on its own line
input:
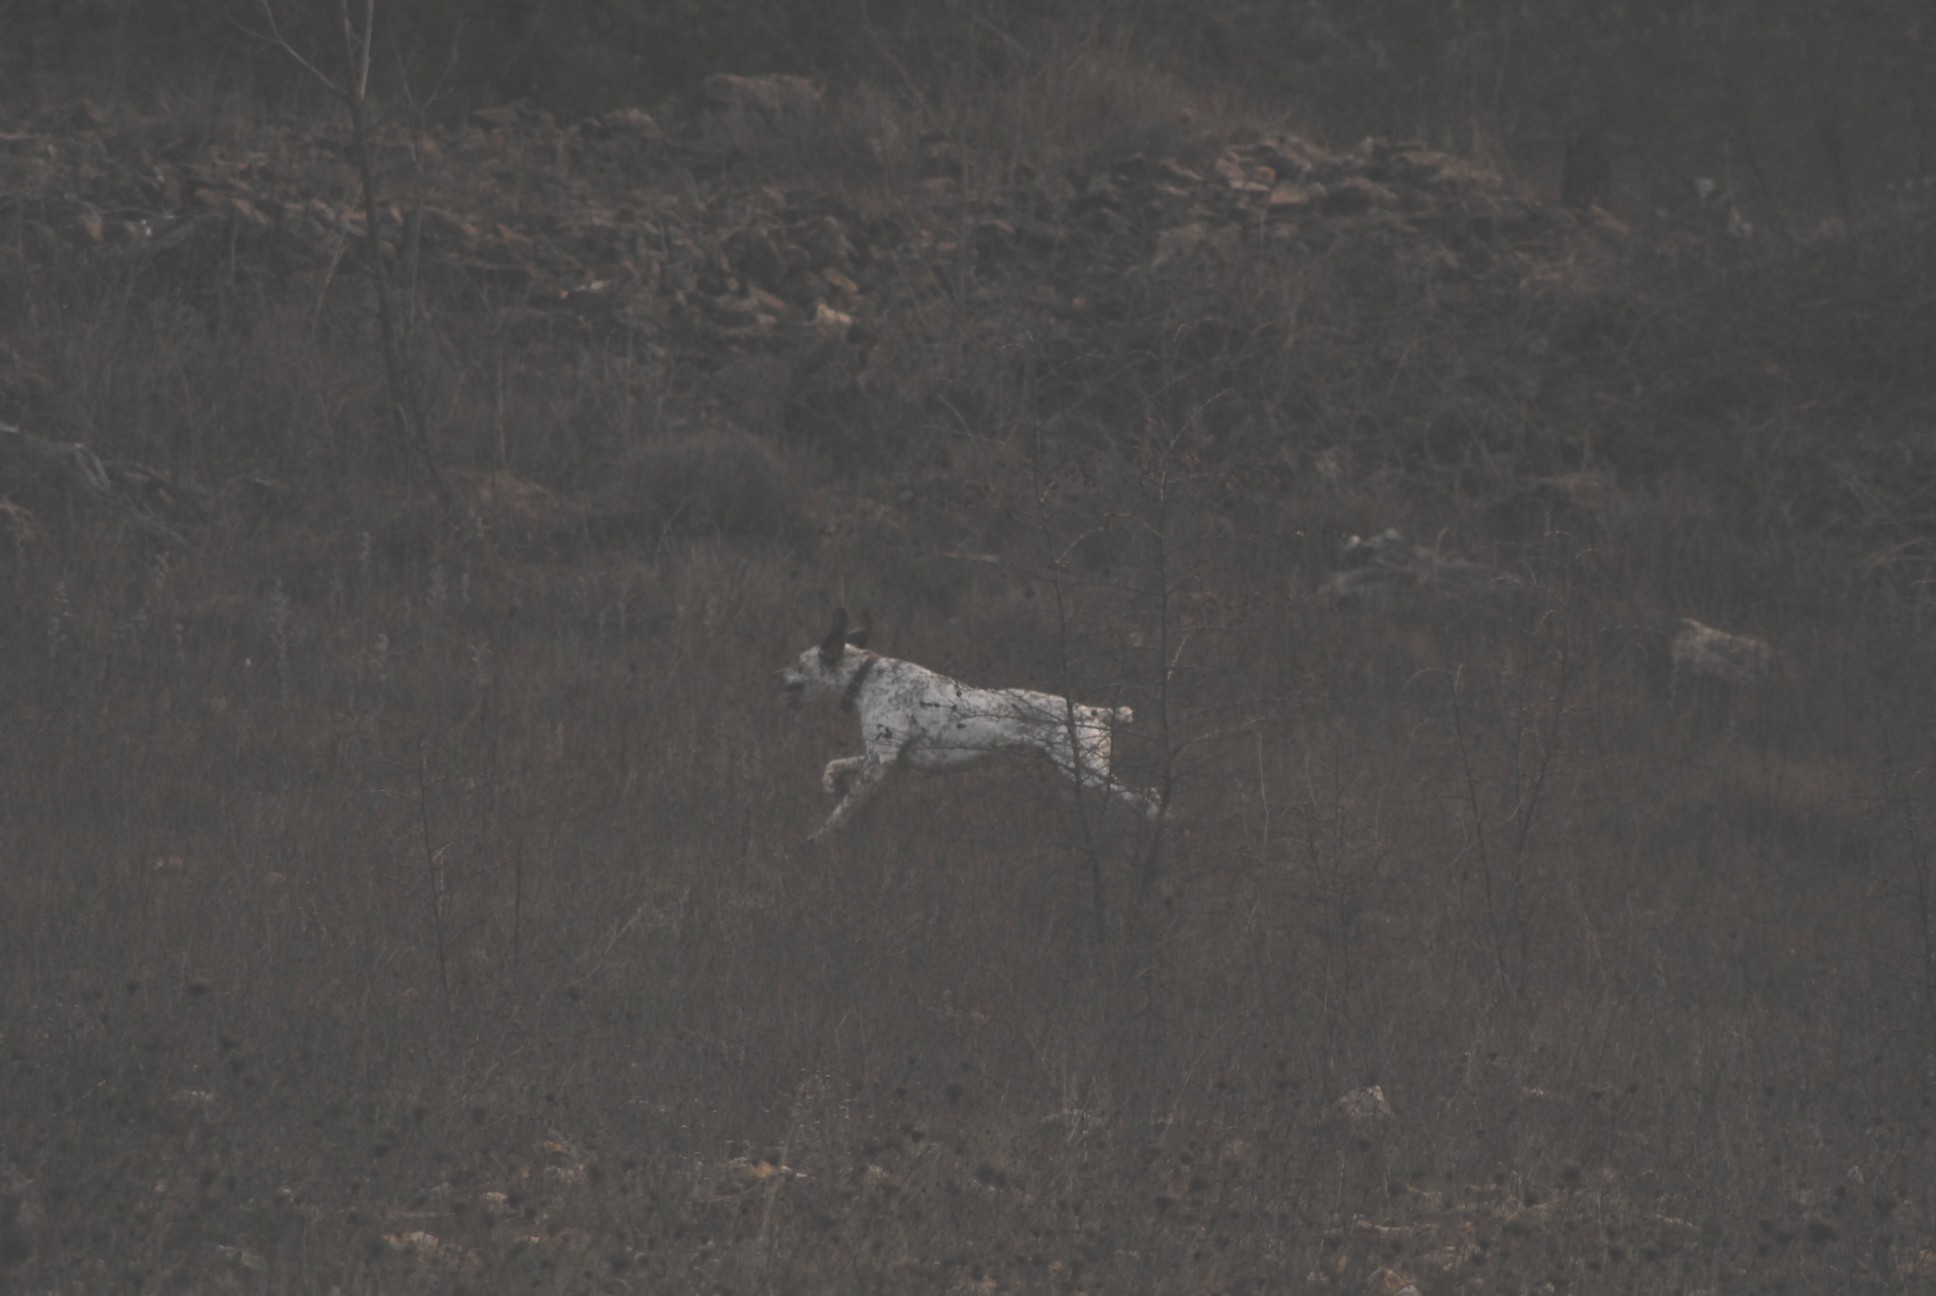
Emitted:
<point x="404" y="846"/>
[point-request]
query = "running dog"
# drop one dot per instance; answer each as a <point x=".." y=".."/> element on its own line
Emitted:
<point x="912" y="716"/>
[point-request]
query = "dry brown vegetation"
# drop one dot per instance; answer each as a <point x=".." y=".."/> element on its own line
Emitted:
<point x="406" y="897"/>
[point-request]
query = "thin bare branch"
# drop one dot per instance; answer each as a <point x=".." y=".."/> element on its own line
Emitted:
<point x="275" y="37"/>
<point x="356" y="47"/>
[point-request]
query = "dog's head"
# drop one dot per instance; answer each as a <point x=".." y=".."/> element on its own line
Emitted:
<point x="821" y="669"/>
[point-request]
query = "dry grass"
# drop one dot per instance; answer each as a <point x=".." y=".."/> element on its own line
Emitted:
<point x="422" y="901"/>
<point x="445" y="899"/>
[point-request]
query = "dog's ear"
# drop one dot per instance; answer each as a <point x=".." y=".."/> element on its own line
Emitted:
<point x="830" y="646"/>
<point x="858" y="635"/>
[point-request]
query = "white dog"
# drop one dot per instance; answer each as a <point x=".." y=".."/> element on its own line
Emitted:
<point x="911" y="716"/>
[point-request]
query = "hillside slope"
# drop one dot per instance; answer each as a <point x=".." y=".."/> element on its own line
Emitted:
<point x="404" y="846"/>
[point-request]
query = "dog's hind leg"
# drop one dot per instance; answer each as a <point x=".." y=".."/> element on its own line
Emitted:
<point x="1090" y="774"/>
<point x="1147" y="804"/>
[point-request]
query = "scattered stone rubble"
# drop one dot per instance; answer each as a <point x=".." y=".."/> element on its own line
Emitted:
<point x="1387" y="572"/>
<point x="1700" y="651"/>
<point x="624" y="223"/>
<point x="1363" y="1106"/>
<point x="762" y="101"/>
<point x="647" y="234"/>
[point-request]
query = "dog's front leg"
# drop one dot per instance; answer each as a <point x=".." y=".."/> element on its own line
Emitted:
<point x="866" y="779"/>
<point x="834" y="779"/>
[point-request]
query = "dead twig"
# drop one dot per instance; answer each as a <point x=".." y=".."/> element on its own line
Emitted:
<point x="111" y="484"/>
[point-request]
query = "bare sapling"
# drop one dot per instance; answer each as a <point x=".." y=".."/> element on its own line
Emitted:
<point x="352" y="90"/>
